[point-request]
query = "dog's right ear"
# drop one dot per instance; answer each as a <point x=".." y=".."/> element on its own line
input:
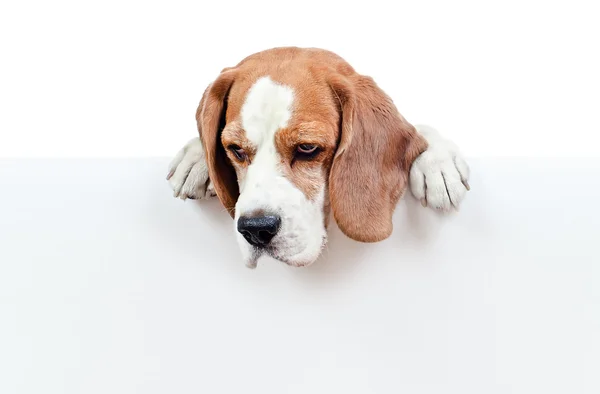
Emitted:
<point x="371" y="166"/>
<point x="210" y="118"/>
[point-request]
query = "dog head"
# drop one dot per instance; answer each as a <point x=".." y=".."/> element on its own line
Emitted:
<point x="291" y="134"/>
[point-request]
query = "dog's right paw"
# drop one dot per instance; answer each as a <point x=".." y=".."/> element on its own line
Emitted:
<point x="439" y="177"/>
<point x="188" y="173"/>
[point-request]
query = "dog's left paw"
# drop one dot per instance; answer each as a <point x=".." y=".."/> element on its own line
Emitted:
<point x="439" y="177"/>
<point x="188" y="173"/>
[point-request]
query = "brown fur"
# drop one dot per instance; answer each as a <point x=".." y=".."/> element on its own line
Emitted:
<point x="371" y="166"/>
<point x="367" y="146"/>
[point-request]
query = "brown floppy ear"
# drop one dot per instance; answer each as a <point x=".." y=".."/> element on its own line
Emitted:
<point x="371" y="165"/>
<point x="210" y="117"/>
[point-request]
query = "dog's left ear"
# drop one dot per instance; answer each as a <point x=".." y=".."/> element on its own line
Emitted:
<point x="370" y="169"/>
<point x="210" y="118"/>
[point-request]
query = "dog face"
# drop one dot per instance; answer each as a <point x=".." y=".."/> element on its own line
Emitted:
<point x="281" y="148"/>
<point x="290" y="134"/>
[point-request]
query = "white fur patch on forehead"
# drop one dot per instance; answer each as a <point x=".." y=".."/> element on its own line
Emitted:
<point x="267" y="108"/>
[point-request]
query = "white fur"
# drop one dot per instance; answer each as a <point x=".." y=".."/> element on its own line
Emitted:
<point x="439" y="176"/>
<point x="267" y="109"/>
<point x="188" y="172"/>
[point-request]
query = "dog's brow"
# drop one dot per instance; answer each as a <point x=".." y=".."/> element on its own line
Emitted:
<point x="234" y="132"/>
<point x="311" y="127"/>
<point x="314" y="133"/>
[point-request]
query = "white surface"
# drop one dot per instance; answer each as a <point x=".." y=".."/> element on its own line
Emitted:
<point x="109" y="285"/>
<point x="124" y="77"/>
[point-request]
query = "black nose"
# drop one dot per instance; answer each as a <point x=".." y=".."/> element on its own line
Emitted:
<point x="259" y="230"/>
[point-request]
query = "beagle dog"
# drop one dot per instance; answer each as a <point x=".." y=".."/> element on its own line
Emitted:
<point x="290" y="135"/>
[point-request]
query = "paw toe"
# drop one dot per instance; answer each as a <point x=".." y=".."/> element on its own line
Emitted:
<point x="456" y="190"/>
<point x="195" y="183"/>
<point x="210" y="189"/>
<point x="436" y="193"/>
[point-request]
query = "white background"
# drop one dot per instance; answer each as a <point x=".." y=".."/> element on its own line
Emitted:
<point x="107" y="284"/>
<point x="123" y="78"/>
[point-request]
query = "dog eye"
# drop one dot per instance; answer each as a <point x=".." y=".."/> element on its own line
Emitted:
<point x="238" y="152"/>
<point x="307" y="150"/>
